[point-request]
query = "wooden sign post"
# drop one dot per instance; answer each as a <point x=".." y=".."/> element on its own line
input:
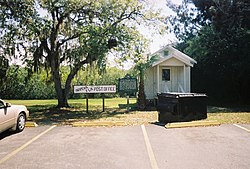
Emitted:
<point x="95" y="89"/>
<point x="87" y="103"/>
<point x="103" y="102"/>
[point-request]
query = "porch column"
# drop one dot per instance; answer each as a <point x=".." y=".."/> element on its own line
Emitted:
<point x="158" y="79"/>
<point x="184" y="78"/>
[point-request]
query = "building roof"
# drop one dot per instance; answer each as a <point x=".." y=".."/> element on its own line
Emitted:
<point x="174" y="53"/>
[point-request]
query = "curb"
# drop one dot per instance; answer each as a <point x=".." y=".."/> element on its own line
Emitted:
<point x="30" y="124"/>
<point x="99" y="123"/>
<point x="192" y="124"/>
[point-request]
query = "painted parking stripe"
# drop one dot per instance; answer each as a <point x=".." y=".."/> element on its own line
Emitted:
<point x="243" y="128"/>
<point x="149" y="149"/>
<point x="25" y="145"/>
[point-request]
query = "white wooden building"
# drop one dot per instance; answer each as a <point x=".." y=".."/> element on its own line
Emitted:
<point x="171" y="73"/>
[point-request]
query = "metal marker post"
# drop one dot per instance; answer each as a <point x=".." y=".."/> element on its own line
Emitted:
<point x="127" y="102"/>
<point x="103" y="102"/>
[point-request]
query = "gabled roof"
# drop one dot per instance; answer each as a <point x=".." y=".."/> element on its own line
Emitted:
<point x="174" y="53"/>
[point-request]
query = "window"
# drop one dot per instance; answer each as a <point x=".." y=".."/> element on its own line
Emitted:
<point x="166" y="52"/>
<point x="166" y="74"/>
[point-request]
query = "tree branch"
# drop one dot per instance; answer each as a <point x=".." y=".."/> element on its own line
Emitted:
<point x="122" y="17"/>
<point x="73" y="72"/>
<point x="44" y="44"/>
<point x="67" y="39"/>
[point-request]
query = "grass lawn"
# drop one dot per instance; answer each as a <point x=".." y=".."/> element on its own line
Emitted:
<point x="114" y="102"/>
<point x="226" y="115"/>
<point x="44" y="112"/>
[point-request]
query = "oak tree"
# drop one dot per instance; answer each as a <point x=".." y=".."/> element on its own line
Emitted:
<point x="75" y="33"/>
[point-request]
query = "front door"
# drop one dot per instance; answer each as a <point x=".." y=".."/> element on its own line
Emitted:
<point x="166" y="80"/>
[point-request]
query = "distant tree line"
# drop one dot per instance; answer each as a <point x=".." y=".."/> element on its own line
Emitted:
<point x="19" y="84"/>
<point x="217" y="35"/>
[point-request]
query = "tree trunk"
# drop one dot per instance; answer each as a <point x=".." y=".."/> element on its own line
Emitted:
<point x="60" y="92"/>
<point x="141" y="101"/>
<point x="63" y="100"/>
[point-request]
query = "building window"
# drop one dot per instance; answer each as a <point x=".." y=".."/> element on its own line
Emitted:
<point x="166" y="74"/>
<point x="166" y="52"/>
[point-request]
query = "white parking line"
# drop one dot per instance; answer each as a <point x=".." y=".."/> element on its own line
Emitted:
<point x="149" y="149"/>
<point x="243" y="128"/>
<point x="25" y="145"/>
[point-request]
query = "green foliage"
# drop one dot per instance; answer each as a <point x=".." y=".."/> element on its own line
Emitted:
<point x="51" y="34"/>
<point x="92" y="76"/>
<point x="225" y="64"/>
<point x="18" y="86"/>
<point x="221" y="48"/>
<point x="37" y="88"/>
<point x="4" y="65"/>
<point x="15" y="80"/>
<point x="186" y="21"/>
<point x="142" y="62"/>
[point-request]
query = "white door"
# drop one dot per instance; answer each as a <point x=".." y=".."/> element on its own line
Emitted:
<point x="166" y="80"/>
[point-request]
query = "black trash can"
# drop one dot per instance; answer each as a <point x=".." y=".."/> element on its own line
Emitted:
<point x="177" y="107"/>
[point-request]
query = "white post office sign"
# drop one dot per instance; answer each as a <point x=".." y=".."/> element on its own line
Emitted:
<point x="95" y="89"/>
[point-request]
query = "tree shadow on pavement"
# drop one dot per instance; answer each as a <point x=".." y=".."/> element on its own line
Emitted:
<point x="49" y="114"/>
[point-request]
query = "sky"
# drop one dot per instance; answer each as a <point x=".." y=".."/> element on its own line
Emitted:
<point x="156" y="40"/>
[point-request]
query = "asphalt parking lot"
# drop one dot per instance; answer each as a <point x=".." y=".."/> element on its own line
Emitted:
<point x="129" y="147"/>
